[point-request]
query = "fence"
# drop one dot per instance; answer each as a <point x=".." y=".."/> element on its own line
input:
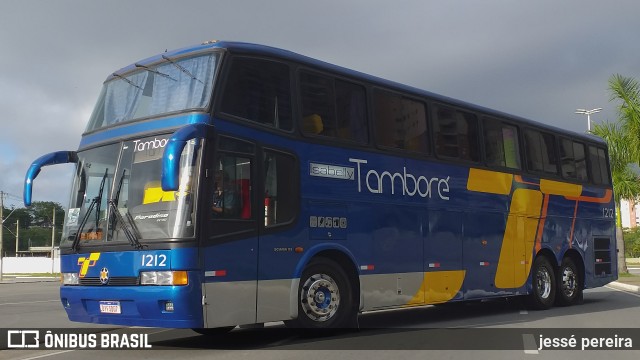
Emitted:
<point x="29" y="265"/>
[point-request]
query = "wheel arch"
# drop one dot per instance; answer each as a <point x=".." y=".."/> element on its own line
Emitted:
<point x="336" y="252"/>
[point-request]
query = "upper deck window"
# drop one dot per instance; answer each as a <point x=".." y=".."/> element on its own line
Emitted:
<point x="259" y="91"/>
<point x="170" y="86"/>
<point x="400" y="122"/>
<point x="456" y="134"/>
<point x="333" y="108"/>
<point x="501" y="145"/>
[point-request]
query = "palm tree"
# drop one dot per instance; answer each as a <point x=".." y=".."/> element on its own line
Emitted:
<point x="623" y="139"/>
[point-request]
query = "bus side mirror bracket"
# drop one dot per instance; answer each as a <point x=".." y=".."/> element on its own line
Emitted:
<point x="58" y="157"/>
<point x="173" y="152"/>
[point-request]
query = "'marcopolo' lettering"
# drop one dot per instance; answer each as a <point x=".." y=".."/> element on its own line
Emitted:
<point x="411" y="185"/>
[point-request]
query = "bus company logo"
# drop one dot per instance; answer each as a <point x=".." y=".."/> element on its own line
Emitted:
<point x="139" y="145"/>
<point x="331" y="171"/>
<point x="23" y="339"/>
<point x="104" y="276"/>
<point x="411" y="185"/>
<point x="86" y="262"/>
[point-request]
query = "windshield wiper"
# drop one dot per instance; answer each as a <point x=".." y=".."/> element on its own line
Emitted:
<point x="181" y="68"/>
<point x="127" y="80"/>
<point x="130" y="233"/>
<point x="155" y="71"/>
<point x="95" y="202"/>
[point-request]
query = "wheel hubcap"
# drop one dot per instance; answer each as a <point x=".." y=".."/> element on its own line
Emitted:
<point x="569" y="282"/>
<point x="543" y="282"/>
<point x="320" y="297"/>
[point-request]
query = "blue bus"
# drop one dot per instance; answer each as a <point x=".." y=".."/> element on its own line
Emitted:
<point x="230" y="184"/>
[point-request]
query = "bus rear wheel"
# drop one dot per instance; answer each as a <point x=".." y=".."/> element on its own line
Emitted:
<point x="569" y="286"/>
<point x="325" y="296"/>
<point x="544" y="285"/>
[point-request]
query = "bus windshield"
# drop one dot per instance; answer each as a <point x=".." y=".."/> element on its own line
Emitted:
<point x="170" y="86"/>
<point x="117" y="196"/>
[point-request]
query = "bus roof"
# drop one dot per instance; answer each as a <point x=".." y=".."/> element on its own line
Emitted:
<point x="268" y="51"/>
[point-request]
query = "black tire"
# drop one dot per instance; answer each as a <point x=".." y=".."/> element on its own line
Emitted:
<point x="569" y="289"/>
<point x="543" y="281"/>
<point x="325" y="297"/>
<point x="214" y="331"/>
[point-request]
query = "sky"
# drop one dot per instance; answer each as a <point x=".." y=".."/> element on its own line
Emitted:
<point x="540" y="59"/>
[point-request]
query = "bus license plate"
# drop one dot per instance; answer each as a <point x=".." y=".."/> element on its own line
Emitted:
<point x="110" y="307"/>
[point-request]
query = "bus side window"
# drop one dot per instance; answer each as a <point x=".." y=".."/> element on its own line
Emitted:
<point x="281" y="186"/>
<point x="456" y="134"/>
<point x="332" y="107"/>
<point x="598" y="166"/>
<point x="581" y="161"/>
<point x="232" y="188"/>
<point x="258" y="90"/>
<point x="541" y="152"/>
<point x="501" y="144"/>
<point x="567" y="159"/>
<point x="400" y="122"/>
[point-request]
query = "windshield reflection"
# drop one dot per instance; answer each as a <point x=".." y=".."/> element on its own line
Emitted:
<point x="128" y="204"/>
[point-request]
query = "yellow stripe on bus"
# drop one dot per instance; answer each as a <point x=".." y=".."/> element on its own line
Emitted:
<point x="489" y="181"/>
<point x="519" y="239"/>
<point x="560" y="188"/>
<point x="438" y="287"/>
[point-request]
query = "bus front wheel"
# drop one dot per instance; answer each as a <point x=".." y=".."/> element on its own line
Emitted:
<point x="325" y="296"/>
<point x="544" y="285"/>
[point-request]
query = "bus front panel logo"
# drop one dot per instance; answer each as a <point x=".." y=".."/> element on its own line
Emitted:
<point x="85" y="263"/>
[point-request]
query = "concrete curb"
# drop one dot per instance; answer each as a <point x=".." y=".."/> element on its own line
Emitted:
<point x="624" y="287"/>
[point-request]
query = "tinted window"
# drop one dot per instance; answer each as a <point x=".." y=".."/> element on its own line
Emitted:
<point x="541" y="152"/>
<point x="572" y="160"/>
<point x="400" y="122"/>
<point x="456" y="134"/>
<point x="581" y="161"/>
<point x="332" y="107"/>
<point x="501" y="144"/>
<point x="280" y="181"/>
<point x="598" y="166"/>
<point x="259" y="90"/>
<point x="567" y="159"/>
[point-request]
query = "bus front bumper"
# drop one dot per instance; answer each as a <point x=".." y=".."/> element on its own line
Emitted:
<point x="152" y="306"/>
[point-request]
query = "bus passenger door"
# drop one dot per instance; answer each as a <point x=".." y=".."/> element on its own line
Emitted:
<point x="230" y="250"/>
<point x="279" y="205"/>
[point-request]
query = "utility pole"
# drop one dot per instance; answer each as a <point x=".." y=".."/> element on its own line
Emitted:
<point x="1" y="230"/>
<point x="17" y="233"/>
<point x="53" y="240"/>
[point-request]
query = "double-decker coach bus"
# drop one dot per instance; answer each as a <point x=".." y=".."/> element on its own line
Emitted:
<point x="229" y="183"/>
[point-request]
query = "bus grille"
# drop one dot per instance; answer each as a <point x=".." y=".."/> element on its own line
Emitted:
<point x="114" y="281"/>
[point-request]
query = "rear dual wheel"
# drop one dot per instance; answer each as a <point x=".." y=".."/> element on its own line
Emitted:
<point x="569" y="290"/>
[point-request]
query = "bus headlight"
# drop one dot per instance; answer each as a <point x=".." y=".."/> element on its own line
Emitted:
<point x="164" y="278"/>
<point x="70" y="278"/>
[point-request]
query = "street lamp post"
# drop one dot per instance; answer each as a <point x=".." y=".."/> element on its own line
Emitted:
<point x="588" y="113"/>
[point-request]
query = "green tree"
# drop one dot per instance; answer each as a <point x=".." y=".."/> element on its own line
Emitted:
<point x="35" y="226"/>
<point x="623" y="139"/>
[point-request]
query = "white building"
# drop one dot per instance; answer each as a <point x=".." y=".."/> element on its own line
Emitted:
<point x="629" y="213"/>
